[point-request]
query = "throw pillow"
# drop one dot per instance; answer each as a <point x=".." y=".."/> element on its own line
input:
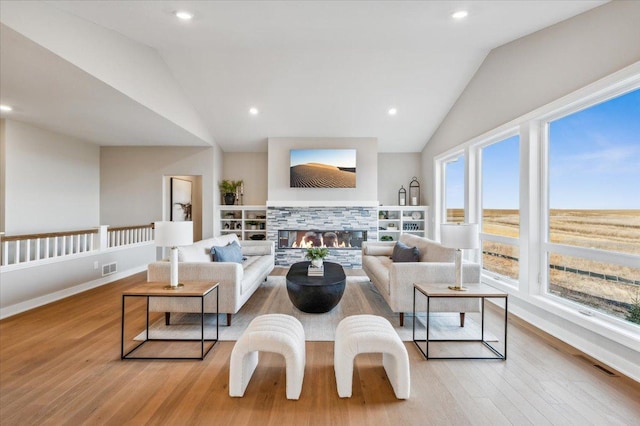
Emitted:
<point x="404" y="253"/>
<point x="228" y="253"/>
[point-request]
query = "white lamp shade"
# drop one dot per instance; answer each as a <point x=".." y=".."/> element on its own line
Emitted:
<point x="173" y="234"/>
<point x="459" y="236"/>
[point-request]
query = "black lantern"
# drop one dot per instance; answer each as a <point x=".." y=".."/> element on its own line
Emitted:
<point x="402" y="196"/>
<point x="414" y="192"/>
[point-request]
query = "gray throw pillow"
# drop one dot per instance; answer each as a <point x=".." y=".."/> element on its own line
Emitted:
<point x="228" y="253"/>
<point x="404" y="253"/>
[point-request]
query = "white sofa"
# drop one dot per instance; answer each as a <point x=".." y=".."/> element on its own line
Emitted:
<point x="394" y="280"/>
<point x="237" y="281"/>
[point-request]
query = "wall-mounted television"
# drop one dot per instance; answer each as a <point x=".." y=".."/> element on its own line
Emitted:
<point x="322" y="168"/>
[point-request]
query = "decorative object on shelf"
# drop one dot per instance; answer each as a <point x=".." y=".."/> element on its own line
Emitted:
<point x="316" y="255"/>
<point x="257" y="237"/>
<point x="391" y="226"/>
<point x="226" y="226"/>
<point x="381" y="215"/>
<point x="402" y="196"/>
<point x="229" y="188"/>
<point x="410" y="227"/>
<point x="416" y="215"/>
<point x="459" y="236"/>
<point x="252" y="225"/>
<point x="386" y="238"/>
<point x="414" y="192"/>
<point x="173" y="234"/>
<point x="239" y="225"/>
<point x="240" y="193"/>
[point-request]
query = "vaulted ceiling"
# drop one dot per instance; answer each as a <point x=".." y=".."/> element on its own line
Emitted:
<point x="311" y="68"/>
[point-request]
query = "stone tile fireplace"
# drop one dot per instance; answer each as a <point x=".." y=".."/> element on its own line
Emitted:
<point x="311" y="223"/>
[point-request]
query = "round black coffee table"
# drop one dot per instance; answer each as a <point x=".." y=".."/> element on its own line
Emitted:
<point x="315" y="295"/>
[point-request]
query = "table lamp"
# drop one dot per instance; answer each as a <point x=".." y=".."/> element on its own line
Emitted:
<point x="173" y="234"/>
<point x="459" y="236"/>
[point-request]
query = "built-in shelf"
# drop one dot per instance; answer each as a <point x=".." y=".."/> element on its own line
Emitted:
<point x="396" y="220"/>
<point x="247" y="222"/>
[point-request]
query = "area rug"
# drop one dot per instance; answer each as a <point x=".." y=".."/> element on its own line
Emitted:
<point x="360" y="297"/>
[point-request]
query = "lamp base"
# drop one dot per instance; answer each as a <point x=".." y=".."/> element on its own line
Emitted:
<point x="173" y="287"/>
<point x="457" y="288"/>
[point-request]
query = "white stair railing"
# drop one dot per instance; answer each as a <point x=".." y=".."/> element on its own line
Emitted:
<point x="24" y="249"/>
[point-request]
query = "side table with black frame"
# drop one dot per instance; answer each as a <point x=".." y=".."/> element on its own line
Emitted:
<point x="480" y="291"/>
<point x="147" y="290"/>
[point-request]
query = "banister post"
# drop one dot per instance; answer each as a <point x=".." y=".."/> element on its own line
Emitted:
<point x="103" y="237"/>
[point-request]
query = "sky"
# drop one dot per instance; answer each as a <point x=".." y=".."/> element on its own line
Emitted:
<point x="595" y="156"/>
<point x="336" y="157"/>
<point x="594" y="162"/>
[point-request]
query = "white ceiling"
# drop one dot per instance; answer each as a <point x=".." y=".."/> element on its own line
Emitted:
<point x="313" y="68"/>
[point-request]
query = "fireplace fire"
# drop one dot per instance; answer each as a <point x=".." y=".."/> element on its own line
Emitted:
<point x="291" y="239"/>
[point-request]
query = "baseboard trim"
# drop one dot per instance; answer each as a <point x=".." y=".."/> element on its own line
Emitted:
<point x="27" y="305"/>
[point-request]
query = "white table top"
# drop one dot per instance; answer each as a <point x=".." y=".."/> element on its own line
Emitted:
<point x="473" y="290"/>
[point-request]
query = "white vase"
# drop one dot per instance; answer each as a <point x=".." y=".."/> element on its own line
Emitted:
<point x="317" y="263"/>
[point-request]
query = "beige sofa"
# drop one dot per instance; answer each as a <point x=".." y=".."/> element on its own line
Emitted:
<point x="237" y="281"/>
<point x="394" y="280"/>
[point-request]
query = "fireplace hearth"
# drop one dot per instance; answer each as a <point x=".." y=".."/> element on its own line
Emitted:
<point x="333" y="239"/>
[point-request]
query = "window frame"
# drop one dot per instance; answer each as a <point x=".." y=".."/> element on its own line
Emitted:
<point x="534" y="245"/>
<point x="546" y="246"/>
<point x="491" y="277"/>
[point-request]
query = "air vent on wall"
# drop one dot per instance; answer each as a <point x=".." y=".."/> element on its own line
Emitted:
<point x="109" y="268"/>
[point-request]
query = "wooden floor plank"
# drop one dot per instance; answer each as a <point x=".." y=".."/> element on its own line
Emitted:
<point x="60" y="364"/>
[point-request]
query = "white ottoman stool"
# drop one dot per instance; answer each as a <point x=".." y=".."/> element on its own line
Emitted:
<point x="370" y="334"/>
<point x="282" y="334"/>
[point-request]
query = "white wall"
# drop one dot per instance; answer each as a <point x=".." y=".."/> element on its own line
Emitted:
<point x="132" y="183"/>
<point x="366" y="189"/>
<point x="251" y="168"/>
<point x="532" y="71"/>
<point x="52" y="181"/>
<point x="35" y="285"/>
<point x="395" y="170"/>
<point x="145" y="78"/>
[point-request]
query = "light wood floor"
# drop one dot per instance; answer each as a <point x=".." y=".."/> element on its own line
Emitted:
<point x="60" y="364"/>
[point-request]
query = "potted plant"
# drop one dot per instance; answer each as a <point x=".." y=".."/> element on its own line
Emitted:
<point x="253" y="225"/>
<point x="316" y="255"/>
<point x="229" y="189"/>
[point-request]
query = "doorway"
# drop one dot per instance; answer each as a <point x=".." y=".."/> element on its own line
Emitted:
<point x="183" y="201"/>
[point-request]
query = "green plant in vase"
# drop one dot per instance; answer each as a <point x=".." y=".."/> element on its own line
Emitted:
<point x="316" y="255"/>
<point x="229" y="188"/>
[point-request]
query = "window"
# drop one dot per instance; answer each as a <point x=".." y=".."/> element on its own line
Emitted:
<point x="454" y="189"/>
<point x="593" y="210"/>
<point x="500" y="165"/>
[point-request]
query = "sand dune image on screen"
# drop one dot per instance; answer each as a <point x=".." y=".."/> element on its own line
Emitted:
<point x="324" y="169"/>
<point x="316" y="175"/>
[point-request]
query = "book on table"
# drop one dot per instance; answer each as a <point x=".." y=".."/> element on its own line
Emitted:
<point x="315" y="271"/>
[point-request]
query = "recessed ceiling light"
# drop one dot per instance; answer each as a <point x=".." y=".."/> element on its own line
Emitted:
<point x="460" y="14"/>
<point x="5" y="108"/>
<point x="253" y="111"/>
<point x="184" y="15"/>
<point x="393" y="111"/>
